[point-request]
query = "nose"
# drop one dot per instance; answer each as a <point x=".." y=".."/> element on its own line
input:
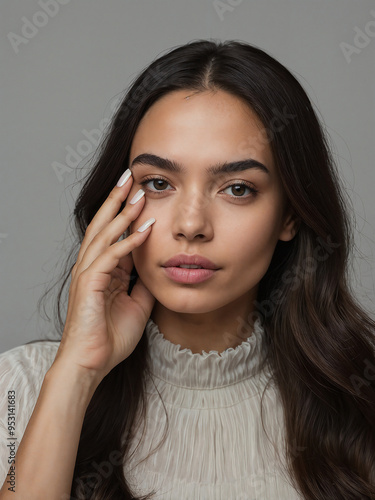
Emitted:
<point x="192" y="217"/>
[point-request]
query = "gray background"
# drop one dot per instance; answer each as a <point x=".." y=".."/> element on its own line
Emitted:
<point x="63" y="82"/>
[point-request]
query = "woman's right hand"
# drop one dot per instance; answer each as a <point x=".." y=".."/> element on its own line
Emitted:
<point x="103" y="323"/>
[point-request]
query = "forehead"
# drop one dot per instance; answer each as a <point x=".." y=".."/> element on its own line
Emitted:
<point x="206" y="125"/>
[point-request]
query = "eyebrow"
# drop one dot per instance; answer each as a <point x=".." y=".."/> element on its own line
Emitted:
<point x="173" y="166"/>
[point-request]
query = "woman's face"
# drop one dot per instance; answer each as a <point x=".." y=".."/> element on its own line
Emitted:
<point x="217" y="216"/>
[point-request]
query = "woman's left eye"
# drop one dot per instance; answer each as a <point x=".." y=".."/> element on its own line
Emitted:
<point x="154" y="179"/>
<point x="240" y="187"/>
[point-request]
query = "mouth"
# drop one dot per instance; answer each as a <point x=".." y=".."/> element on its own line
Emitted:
<point x="187" y="266"/>
<point x="185" y="261"/>
<point x="189" y="275"/>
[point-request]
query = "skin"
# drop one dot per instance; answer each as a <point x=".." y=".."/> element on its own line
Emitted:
<point x="197" y="213"/>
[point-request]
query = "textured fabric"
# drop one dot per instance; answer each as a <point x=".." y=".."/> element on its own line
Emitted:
<point x="22" y="370"/>
<point x="215" y="446"/>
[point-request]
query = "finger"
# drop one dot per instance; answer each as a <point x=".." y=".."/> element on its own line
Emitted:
<point x="119" y="282"/>
<point x="105" y="214"/>
<point x="126" y="264"/>
<point x="107" y="261"/>
<point x="110" y="233"/>
<point x="122" y="274"/>
<point x="142" y="295"/>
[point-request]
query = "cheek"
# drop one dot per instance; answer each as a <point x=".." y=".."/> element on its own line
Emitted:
<point x="253" y="236"/>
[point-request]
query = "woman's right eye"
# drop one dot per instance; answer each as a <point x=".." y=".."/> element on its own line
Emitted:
<point x="157" y="182"/>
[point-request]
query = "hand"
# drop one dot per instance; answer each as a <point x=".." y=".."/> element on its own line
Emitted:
<point x="103" y="323"/>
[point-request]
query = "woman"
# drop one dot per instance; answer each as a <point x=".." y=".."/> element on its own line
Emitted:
<point x="251" y="378"/>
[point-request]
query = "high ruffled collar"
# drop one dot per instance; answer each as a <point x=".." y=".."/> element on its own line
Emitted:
<point x="211" y="370"/>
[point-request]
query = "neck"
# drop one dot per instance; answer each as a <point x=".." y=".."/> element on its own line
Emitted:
<point x="216" y="330"/>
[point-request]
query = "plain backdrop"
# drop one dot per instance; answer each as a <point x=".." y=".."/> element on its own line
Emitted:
<point x="65" y="63"/>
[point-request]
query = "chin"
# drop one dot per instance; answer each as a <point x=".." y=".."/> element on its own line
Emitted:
<point x="184" y="306"/>
<point x="189" y="310"/>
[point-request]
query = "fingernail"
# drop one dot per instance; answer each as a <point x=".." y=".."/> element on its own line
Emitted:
<point x="137" y="197"/>
<point x="125" y="176"/>
<point x="146" y="225"/>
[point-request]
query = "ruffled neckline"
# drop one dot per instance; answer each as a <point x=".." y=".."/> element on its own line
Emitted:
<point x="206" y="370"/>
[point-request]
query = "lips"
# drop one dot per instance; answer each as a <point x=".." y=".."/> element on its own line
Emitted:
<point x="188" y="276"/>
<point x="184" y="259"/>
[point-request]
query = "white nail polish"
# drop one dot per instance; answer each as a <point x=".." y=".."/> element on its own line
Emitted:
<point x="137" y="197"/>
<point x="125" y="176"/>
<point x="146" y="225"/>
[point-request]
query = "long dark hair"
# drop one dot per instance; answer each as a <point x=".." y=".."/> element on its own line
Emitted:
<point x="320" y="340"/>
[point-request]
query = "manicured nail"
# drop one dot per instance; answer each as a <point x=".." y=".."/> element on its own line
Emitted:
<point x="125" y="176"/>
<point x="146" y="225"/>
<point x="137" y="197"/>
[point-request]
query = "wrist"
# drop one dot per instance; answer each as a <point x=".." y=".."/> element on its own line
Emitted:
<point x="66" y="374"/>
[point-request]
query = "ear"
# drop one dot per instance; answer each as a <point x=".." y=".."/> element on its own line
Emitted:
<point x="290" y="226"/>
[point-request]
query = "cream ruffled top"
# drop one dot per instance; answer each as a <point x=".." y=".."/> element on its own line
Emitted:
<point x="215" y="447"/>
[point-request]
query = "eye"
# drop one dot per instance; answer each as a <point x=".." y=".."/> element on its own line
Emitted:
<point x="240" y="187"/>
<point x="159" y="182"/>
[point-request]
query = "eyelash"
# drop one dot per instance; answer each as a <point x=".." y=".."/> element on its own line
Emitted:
<point x="253" y="191"/>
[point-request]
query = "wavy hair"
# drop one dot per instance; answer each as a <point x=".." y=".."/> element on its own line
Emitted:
<point x="320" y="340"/>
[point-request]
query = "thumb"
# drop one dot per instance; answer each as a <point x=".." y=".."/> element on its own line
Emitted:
<point x="142" y="295"/>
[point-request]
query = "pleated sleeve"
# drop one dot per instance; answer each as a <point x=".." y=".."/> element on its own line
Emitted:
<point x="22" y="370"/>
